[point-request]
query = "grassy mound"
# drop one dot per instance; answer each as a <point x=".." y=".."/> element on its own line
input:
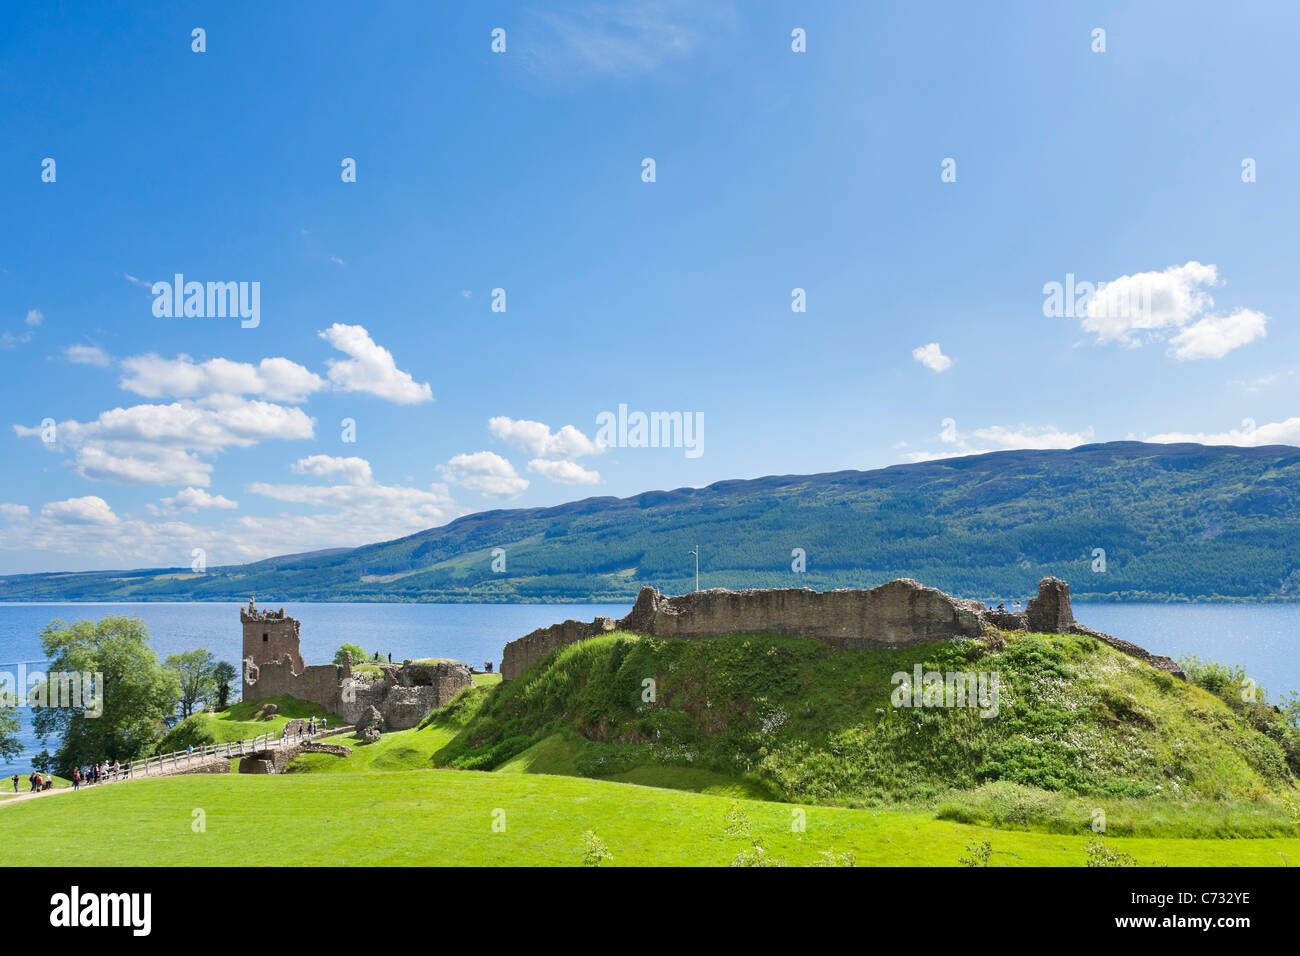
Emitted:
<point x="790" y="718"/>
<point x="240" y="722"/>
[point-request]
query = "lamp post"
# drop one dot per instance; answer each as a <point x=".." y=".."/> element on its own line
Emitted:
<point x="696" y="551"/>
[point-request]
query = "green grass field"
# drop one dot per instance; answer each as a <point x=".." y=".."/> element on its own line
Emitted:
<point x="445" y="817"/>
<point x="779" y="728"/>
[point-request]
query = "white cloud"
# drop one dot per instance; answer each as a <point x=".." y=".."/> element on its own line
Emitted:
<point x="34" y="318"/>
<point x="1028" y="436"/>
<point x="1151" y="306"/>
<point x="1002" y="438"/>
<point x="127" y="463"/>
<point x="564" y="472"/>
<point x="194" y="499"/>
<point x="1274" y="433"/>
<point x="371" y="368"/>
<point x="86" y="355"/>
<point x="14" y="512"/>
<point x="135" y="281"/>
<point x="1216" y="335"/>
<point x="156" y="444"/>
<point x="91" y="510"/>
<point x="932" y="357"/>
<point x="276" y="379"/>
<point x="352" y="471"/>
<point x="484" y="472"/>
<point x="538" y="439"/>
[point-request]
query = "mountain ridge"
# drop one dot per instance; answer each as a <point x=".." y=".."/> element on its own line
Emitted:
<point x="1174" y="522"/>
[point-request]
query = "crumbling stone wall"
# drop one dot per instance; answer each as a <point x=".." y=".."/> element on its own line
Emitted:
<point x="405" y="693"/>
<point x="901" y="613"/>
<point x="318" y="683"/>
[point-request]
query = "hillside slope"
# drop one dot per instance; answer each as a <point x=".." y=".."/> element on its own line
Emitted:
<point x="1175" y="521"/>
<point x="804" y="723"/>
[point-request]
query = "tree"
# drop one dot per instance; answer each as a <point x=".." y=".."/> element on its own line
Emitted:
<point x="358" y="655"/>
<point x="135" y="692"/>
<point x="194" y="671"/>
<point x="223" y="675"/>
<point x="9" y="745"/>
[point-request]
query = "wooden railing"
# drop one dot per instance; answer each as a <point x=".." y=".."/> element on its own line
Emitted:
<point x="178" y="760"/>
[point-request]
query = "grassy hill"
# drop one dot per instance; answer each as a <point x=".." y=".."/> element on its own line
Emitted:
<point x="1177" y="522"/>
<point x="242" y="721"/>
<point x="1079" y="725"/>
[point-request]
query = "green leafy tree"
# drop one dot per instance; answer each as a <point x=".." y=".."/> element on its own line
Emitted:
<point x="138" y="692"/>
<point x="224" y="676"/>
<point x="194" y="671"/>
<point x="9" y="745"/>
<point x="358" y="654"/>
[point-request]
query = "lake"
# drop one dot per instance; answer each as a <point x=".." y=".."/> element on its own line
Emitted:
<point x="1262" y="638"/>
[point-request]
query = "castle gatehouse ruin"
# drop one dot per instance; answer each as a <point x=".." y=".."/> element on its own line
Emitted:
<point x="901" y="613"/>
<point x="400" y="695"/>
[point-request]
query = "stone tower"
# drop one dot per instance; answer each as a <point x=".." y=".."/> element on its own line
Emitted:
<point x="268" y="636"/>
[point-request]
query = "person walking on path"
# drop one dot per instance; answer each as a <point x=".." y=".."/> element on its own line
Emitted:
<point x="76" y="779"/>
<point x="15" y="783"/>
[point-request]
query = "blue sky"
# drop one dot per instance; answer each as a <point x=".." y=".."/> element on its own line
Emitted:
<point x="775" y="170"/>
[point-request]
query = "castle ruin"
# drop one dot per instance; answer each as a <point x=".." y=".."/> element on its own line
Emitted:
<point x="401" y="695"/>
<point x="900" y="613"/>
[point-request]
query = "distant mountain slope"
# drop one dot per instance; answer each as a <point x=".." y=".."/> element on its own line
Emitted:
<point x="1175" y="521"/>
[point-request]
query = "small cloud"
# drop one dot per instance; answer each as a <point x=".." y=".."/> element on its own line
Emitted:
<point x="91" y="509"/>
<point x="192" y="499"/>
<point x="1216" y="335"/>
<point x="370" y="368"/>
<point x="352" y="471"/>
<point x="336" y="260"/>
<point x="537" y="438"/>
<point x="86" y="355"/>
<point x="466" y="293"/>
<point x="564" y="472"/>
<point x="34" y="317"/>
<point x="484" y="472"/>
<point x="14" y="512"/>
<point x="932" y="357"/>
<point x="1175" y="305"/>
<point x="135" y="281"/>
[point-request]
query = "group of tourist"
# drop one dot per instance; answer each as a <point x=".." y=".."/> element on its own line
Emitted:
<point x="37" y="781"/>
<point x="98" y="773"/>
<point x="90" y="774"/>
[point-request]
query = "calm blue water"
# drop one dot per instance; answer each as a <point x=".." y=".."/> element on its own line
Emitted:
<point x="1262" y="638"/>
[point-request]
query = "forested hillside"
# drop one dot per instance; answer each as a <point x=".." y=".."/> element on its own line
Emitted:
<point x="1175" y="522"/>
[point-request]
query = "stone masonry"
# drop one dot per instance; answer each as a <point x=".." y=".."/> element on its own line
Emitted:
<point x="403" y="694"/>
<point x="901" y="613"/>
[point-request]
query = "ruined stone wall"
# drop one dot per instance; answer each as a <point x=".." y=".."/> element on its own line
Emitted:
<point x="901" y="613"/>
<point x="521" y="654"/>
<point x="406" y="693"/>
<point x="896" y="614"/>
<point x="318" y="683"/>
